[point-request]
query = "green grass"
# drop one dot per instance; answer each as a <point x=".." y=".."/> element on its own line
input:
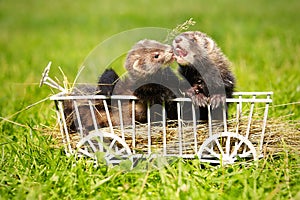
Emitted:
<point x="261" y="38"/>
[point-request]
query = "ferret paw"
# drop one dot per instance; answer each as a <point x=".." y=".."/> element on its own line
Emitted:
<point x="197" y="98"/>
<point x="217" y="100"/>
<point x="200" y="100"/>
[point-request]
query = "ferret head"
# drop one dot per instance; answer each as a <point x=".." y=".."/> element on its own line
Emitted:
<point x="147" y="57"/>
<point x="192" y="45"/>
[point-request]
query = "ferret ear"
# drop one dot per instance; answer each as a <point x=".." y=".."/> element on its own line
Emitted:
<point x="210" y="44"/>
<point x="135" y="65"/>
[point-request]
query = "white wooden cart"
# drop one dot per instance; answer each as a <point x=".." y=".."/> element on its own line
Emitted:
<point x="238" y="136"/>
<point x="218" y="144"/>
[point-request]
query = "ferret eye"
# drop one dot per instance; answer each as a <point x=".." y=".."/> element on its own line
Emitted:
<point x="156" y="55"/>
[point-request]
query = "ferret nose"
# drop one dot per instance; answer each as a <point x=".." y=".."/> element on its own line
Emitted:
<point x="178" y="39"/>
<point x="169" y="49"/>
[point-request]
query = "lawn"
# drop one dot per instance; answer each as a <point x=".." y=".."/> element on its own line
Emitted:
<point x="260" y="38"/>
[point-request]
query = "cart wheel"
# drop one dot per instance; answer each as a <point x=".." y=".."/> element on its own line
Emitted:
<point x="226" y="148"/>
<point x="105" y="145"/>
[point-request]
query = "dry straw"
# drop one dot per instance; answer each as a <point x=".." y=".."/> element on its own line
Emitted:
<point x="179" y="28"/>
<point x="280" y="133"/>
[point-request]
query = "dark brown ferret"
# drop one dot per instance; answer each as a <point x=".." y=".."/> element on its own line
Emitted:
<point x="206" y="68"/>
<point x="82" y="117"/>
<point x="150" y="80"/>
<point x="78" y="112"/>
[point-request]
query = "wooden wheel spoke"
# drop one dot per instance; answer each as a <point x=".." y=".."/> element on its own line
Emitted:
<point x="212" y="152"/>
<point x="219" y="146"/>
<point x="236" y="148"/>
<point x="86" y="153"/>
<point x="112" y="143"/>
<point x="246" y="154"/>
<point x="91" y="144"/>
<point x="121" y="151"/>
<point x="227" y="148"/>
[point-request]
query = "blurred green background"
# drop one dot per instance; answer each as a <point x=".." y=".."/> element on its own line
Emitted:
<point x="261" y="39"/>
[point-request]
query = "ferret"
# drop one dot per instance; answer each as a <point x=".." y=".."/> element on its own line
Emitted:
<point x="107" y="81"/>
<point x="150" y="79"/>
<point x="105" y="87"/>
<point x="206" y="68"/>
